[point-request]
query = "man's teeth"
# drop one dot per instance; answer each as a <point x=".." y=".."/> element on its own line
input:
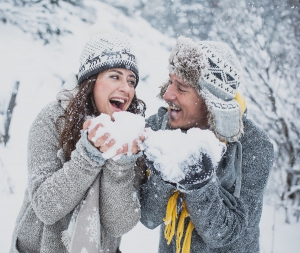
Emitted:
<point x="173" y="107"/>
<point x="118" y="100"/>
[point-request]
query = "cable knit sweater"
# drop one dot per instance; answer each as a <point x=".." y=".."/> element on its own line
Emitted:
<point x="55" y="187"/>
<point x="223" y="223"/>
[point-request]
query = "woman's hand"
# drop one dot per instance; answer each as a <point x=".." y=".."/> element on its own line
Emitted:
<point x="101" y="140"/>
<point x="135" y="147"/>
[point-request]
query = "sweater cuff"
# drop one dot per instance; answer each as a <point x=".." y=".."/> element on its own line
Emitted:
<point x="199" y="188"/>
<point x="191" y="187"/>
<point x="92" y="152"/>
<point x="123" y="163"/>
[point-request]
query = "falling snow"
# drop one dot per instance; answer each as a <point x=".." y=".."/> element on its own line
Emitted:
<point x="41" y="70"/>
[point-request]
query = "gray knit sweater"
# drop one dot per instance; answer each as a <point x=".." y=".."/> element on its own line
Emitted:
<point x="55" y="187"/>
<point x="223" y="223"/>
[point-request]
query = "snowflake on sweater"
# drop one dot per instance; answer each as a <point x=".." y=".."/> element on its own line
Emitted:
<point x="84" y="250"/>
<point x="91" y="191"/>
<point x="93" y="229"/>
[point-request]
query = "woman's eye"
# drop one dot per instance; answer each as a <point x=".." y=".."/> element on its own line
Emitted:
<point x="114" y="77"/>
<point x="132" y="82"/>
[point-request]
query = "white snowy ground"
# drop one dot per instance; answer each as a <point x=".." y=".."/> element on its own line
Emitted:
<point x="40" y="69"/>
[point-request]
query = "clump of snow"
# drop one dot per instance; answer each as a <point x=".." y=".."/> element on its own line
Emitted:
<point x="174" y="151"/>
<point x="125" y="128"/>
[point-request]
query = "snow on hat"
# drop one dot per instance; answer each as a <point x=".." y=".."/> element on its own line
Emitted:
<point x="109" y="49"/>
<point x="213" y="69"/>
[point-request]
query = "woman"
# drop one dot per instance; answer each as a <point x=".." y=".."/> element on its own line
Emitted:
<point x="70" y="183"/>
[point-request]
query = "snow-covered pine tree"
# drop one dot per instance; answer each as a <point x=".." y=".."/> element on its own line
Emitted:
<point x="41" y="18"/>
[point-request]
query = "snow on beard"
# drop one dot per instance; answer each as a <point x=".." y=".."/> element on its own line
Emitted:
<point x="125" y="128"/>
<point x="173" y="151"/>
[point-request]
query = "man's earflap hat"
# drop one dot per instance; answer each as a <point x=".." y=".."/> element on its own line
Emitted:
<point x="214" y="71"/>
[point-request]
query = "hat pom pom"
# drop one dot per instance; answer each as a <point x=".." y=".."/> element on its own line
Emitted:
<point x="100" y="28"/>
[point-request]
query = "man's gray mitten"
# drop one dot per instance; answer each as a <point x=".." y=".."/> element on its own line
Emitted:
<point x="198" y="174"/>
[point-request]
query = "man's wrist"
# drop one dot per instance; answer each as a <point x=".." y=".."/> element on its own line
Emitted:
<point x="190" y="187"/>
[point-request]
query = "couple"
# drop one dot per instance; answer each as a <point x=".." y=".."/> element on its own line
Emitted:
<point x="78" y="201"/>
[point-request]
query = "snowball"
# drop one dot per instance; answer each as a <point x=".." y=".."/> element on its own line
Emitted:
<point x="126" y="128"/>
<point x="174" y="151"/>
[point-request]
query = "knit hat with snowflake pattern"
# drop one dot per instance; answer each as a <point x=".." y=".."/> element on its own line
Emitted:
<point x="214" y="71"/>
<point x="109" y="49"/>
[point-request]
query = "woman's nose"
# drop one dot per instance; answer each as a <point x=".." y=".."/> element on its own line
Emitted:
<point x="125" y="86"/>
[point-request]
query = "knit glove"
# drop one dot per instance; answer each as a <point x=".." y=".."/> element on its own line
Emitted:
<point x="198" y="174"/>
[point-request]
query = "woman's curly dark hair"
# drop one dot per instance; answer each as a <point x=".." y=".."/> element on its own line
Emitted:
<point x="81" y="106"/>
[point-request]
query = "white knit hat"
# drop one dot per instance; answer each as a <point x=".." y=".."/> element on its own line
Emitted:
<point x="104" y="51"/>
<point x="213" y="69"/>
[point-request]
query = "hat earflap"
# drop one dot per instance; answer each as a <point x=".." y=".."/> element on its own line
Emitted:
<point x="225" y="118"/>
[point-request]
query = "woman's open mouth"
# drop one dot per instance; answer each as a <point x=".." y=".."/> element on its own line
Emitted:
<point x="118" y="103"/>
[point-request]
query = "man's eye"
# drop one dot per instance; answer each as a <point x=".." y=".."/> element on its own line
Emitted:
<point x="180" y="90"/>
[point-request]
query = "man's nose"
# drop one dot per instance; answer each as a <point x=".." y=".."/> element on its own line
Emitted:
<point x="170" y="93"/>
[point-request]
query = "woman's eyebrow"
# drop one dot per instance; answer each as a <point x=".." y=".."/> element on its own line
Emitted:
<point x="114" y="70"/>
<point x="121" y="73"/>
<point x="132" y="76"/>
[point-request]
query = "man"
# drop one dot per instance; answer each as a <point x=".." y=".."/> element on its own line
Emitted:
<point x="220" y="212"/>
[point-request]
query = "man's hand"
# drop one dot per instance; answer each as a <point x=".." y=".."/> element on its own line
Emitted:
<point x="198" y="174"/>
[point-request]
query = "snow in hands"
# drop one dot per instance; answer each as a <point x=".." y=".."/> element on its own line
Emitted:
<point x="173" y="152"/>
<point x="125" y="128"/>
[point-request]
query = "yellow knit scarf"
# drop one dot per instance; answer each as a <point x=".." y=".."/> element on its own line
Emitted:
<point x="241" y="101"/>
<point x="170" y="222"/>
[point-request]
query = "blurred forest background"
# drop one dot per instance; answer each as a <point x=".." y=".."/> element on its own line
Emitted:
<point x="265" y="34"/>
